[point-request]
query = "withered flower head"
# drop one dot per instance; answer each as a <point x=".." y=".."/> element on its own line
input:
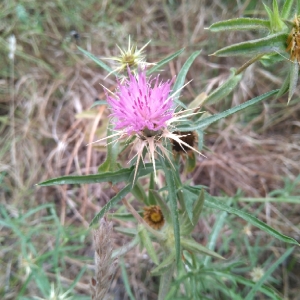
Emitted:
<point x="293" y="41"/>
<point x="188" y="137"/>
<point x="154" y="217"/>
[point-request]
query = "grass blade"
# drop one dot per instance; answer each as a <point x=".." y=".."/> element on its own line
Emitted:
<point x="215" y="204"/>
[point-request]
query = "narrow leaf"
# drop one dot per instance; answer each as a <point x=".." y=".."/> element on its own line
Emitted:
<point x="294" y="71"/>
<point x="165" y="265"/>
<point x="222" y="91"/>
<point x="212" y="239"/>
<point x="99" y="102"/>
<point x="164" y="61"/>
<point x="213" y="203"/>
<point x="163" y="206"/>
<point x="170" y="181"/>
<point x="113" y="201"/>
<point x="285" y="86"/>
<point x="286" y="10"/>
<point x="147" y="243"/>
<point x="193" y="246"/>
<point x="271" y="43"/>
<point x="114" y="177"/>
<point x="182" y="74"/>
<point x="205" y="122"/>
<point x="126" y="280"/>
<point x="96" y="60"/>
<point x="110" y="163"/>
<point x="240" y="24"/>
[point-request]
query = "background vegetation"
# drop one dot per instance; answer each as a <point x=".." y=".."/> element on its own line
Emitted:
<point x="46" y="121"/>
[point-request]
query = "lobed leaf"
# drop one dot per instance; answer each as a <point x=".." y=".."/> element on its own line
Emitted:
<point x="240" y="24"/>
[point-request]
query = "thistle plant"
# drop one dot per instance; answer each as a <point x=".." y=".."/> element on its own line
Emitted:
<point x="146" y="115"/>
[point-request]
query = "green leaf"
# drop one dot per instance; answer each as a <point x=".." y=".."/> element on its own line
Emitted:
<point x="191" y="162"/>
<point x="190" y="222"/>
<point x="165" y="283"/>
<point x="285" y="86"/>
<point x="240" y="24"/>
<point x="286" y="10"/>
<point x="96" y="60"/>
<point x="165" y="265"/>
<point x="113" y="201"/>
<point x="147" y="243"/>
<point x="271" y="43"/>
<point x="213" y="203"/>
<point x="164" y="61"/>
<point x="222" y="91"/>
<point x="271" y="59"/>
<point x="270" y="15"/>
<point x="110" y="163"/>
<point x="126" y="280"/>
<point x="270" y="270"/>
<point x="195" y="247"/>
<point x="99" y="102"/>
<point x="182" y="74"/>
<point x="114" y="177"/>
<point x="151" y="198"/>
<point x="170" y="182"/>
<point x="163" y="206"/>
<point x="213" y="236"/>
<point x="205" y="122"/>
<point x="294" y="71"/>
<point x="138" y="191"/>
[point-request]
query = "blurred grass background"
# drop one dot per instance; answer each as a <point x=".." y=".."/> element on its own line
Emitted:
<point x="45" y="124"/>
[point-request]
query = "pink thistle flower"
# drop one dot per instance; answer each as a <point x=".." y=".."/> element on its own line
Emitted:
<point x="138" y="108"/>
<point x="146" y="109"/>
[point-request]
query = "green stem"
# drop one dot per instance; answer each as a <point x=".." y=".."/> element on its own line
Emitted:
<point x="165" y="283"/>
<point x="248" y="63"/>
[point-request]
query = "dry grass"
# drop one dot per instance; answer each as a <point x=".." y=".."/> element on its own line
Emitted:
<point x="54" y="85"/>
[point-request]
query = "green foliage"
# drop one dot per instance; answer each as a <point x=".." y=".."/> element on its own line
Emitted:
<point x="204" y="265"/>
<point x="279" y="24"/>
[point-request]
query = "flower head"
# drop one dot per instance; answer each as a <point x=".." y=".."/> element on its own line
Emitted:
<point x="139" y="108"/>
<point x="132" y="57"/>
<point x="145" y="108"/>
<point x="153" y="216"/>
<point x="293" y="41"/>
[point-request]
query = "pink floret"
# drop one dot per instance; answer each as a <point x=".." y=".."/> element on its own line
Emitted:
<point x="137" y="105"/>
